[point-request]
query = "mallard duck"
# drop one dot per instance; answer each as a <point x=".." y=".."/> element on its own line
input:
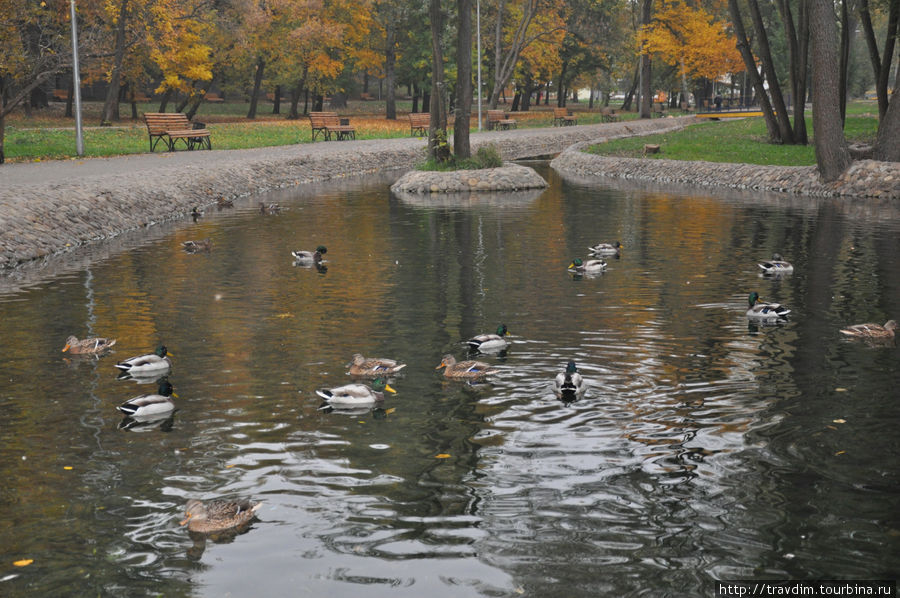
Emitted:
<point x="221" y="202"/>
<point x="487" y="343"/>
<point x="356" y="395"/>
<point x="570" y="382"/>
<point x="310" y="257"/>
<point x="373" y="366"/>
<point x="196" y="213"/>
<point x="871" y="331"/>
<point x="94" y="344"/>
<point x="151" y="363"/>
<point x="272" y="208"/>
<point x="151" y="405"/>
<point x="760" y="310"/>
<point x="198" y="245"/>
<point x="776" y="265"/>
<point x="606" y="248"/>
<point x="469" y="369"/>
<point x="580" y="266"/>
<point x="218" y="515"/>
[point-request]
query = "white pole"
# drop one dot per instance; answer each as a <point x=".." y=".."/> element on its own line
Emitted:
<point x="478" y="26"/>
<point x="76" y="83"/>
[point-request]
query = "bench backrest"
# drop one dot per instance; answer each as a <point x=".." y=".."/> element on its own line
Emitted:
<point x="558" y="112"/>
<point x="419" y="119"/>
<point x="324" y="119"/>
<point x="496" y="115"/>
<point x="160" y="122"/>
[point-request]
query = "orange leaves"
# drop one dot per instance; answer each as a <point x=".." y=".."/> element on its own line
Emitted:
<point x="691" y="38"/>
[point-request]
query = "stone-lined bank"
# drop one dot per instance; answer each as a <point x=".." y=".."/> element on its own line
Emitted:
<point x="509" y="177"/>
<point x="865" y="178"/>
<point x="53" y="207"/>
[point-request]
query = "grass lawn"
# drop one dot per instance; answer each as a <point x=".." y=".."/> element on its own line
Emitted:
<point x="47" y="134"/>
<point x="735" y="140"/>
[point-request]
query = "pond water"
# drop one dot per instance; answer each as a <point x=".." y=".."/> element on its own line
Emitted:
<point x="704" y="448"/>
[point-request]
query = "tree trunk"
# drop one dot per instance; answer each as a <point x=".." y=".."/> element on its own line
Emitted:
<point x="832" y="155"/>
<point x="629" y="97"/>
<point x="881" y="65"/>
<point x="438" y="150"/>
<point x="257" y="86"/>
<point x="110" y="111"/>
<point x="198" y="99"/>
<point x="293" y="114"/>
<point x="504" y="66"/>
<point x="798" y="52"/>
<point x="646" y="97"/>
<point x="276" y="104"/>
<point x="338" y="100"/>
<point x="415" y="97"/>
<point x="743" y="46"/>
<point x="164" y="100"/>
<point x="845" y="58"/>
<point x="461" y="146"/>
<point x="768" y="65"/>
<point x="887" y="144"/>
<point x="390" y="60"/>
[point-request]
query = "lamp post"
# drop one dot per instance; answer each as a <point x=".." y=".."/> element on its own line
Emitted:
<point x="76" y="84"/>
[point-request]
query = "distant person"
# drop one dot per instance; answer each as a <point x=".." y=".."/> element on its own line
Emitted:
<point x="718" y="102"/>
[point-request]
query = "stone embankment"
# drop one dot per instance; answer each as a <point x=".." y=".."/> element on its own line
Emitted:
<point x="52" y="207"/>
<point x="865" y="178"/>
<point x="509" y="177"/>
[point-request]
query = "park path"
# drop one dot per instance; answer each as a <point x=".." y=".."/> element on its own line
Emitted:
<point x="53" y="207"/>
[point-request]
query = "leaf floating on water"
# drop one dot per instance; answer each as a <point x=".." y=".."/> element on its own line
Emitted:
<point x="840" y="389"/>
<point x="67" y="467"/>
<point x="389" y="411"/>
<point x="839" y="421"/>
<point x="442" y="456"/>
<point x="839" y="453"/>
<point x="520" y="590"/>
<point x="23" y="563"/>
<point x="231" y="465"/>
<point x="285" y="315"/>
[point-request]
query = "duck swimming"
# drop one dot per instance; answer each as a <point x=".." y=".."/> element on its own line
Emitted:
<point x="488" y="343"/>
<point x="871" y="331"/>
<point x="218" y="515"/>
<point x="91" y="345"/>
<point x="580" y="266"/>
<point x="151" y="363"/>
<point x="356" y="395"/>
<point x="776" y="265"/>
<point x="151" y="405"/>
<point x="760" y="310"/>
<point x="310" y="257"/>
<point x="606" y="248"/>
<point x="468" y="369"/>
<point x="373" y="366"/>
<point x="569" y="383"/>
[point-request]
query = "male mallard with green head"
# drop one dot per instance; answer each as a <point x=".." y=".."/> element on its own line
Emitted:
<point x="580" y="266"/>
<point x="310" y="257"/>
<point x="151" y="405"/>
<point x="760" y="310"/>
<point x="144" y="365"/>
<point x="569" y="383"/>
<point x="776" y="265"/>
<point x="356" y="395"/>
<point x="606" y="248"/>
<point x="489" y="343"/>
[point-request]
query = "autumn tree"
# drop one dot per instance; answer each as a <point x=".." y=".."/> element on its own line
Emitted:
<point x="887" y="143"/>
<point x="689" y="38"/>
<point x="832" y="155"/>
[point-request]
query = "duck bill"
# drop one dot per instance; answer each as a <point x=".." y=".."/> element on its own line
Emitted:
<point x="175" y="395"/>
<point x="186" y="519"/>
<point x="388" y="388"/>
<point x="440" y="366"/>
<point x="66" y="348"/>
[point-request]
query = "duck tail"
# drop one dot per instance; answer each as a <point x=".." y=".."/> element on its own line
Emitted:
<point x="325" y="393"/>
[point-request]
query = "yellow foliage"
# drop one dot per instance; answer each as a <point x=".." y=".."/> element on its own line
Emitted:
<point x="692" y="39"/>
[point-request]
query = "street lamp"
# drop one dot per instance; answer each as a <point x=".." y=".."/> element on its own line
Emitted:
<point x="478" y="28"/>
<point x="76" y="83"/>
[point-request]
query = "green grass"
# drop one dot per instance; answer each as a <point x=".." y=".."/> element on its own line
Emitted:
<point x="46" y="134"/>
<point x="737" y="141"/>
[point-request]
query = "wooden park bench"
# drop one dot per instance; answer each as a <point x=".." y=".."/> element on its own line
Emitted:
<point x="659" y="109"/>
<point x="419" y="123"/>
<point x="608" y="115"/>
<point x="366" y="97"/>
<point x="170" y="127"/>
<point x="563" y="117"/>
<point x="139" y="96"/>
<point x="328" y="123"/>
<point x="60" y="95"/>
<point x="213" y="97"/>
<point x="498" y="119"/>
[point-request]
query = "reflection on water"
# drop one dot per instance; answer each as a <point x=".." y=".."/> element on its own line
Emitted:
<point x="703" y="448"/>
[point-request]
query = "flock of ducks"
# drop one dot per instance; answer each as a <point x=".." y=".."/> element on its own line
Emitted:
<point x="220" y="516"/>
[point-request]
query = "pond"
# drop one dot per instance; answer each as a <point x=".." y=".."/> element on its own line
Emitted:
<point x="705" y="447"/>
